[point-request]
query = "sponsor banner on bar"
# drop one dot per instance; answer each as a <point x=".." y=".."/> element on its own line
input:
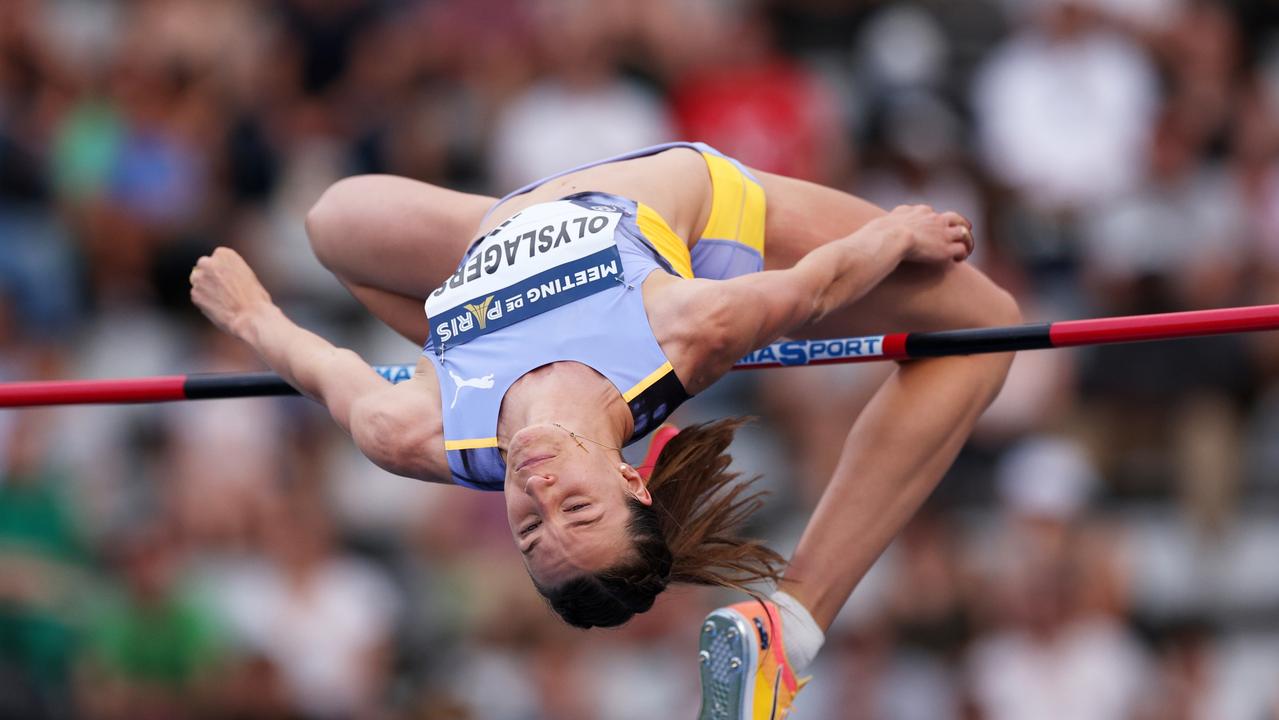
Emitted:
<point x="394" y="373"/>
<point x="806" y="352"/>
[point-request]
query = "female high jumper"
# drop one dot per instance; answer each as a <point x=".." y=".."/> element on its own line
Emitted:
<point x="591" y="305"/>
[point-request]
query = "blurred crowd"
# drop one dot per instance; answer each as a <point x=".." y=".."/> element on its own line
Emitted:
<point x="1106" y="547"/>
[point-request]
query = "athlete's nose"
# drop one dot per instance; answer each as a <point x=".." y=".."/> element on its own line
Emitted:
<point x="537" y="482"/>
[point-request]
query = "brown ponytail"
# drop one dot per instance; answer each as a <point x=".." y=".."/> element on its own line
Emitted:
<point x="686" y="535"/>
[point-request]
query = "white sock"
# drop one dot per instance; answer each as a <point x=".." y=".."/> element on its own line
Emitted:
<point x="803" y="637"/>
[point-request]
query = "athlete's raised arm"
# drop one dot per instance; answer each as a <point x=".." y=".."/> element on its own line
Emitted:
<point x="392" y="425"/>
<point x="750" y="311"/>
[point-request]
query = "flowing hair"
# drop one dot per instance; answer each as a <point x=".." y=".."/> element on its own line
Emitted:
<point x="688" y="535"/>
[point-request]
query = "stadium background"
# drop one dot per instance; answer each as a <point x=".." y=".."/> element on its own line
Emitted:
<point x="1107" y="547"/>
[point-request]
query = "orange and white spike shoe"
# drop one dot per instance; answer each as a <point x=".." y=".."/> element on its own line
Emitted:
<point x="745" y="673"/>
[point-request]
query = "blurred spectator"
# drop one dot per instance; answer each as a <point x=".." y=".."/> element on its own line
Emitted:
<point x="36" y="263"/>
<point x="582" y="109"/>
<point x="1047" y="664"/>
<point x="41" y="577"/>
<point x="1185" y="683"/>
<point x="278" y="608"/>
<point x="152" y="650"/>
<point x="1048" y="478"/>
<point x="871" y="676"/>
<point x="1063" y="110"/>
<point x="1184" y="224"/>
<point x="1058" y="647"/>
<point x="1201" y="52"/>
<point x="743" y="97"/>
<point x="253" y="690"/>
<point x="324" y="33"/>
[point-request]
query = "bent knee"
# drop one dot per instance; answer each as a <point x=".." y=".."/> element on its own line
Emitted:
<point x="321" y="224"/>
<point x="330" y="220"/>
<point x="999" y="307"/>
<point x="974" y="300"/>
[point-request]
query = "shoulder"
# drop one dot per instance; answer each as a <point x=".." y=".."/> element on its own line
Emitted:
<point x="399" y="429"/>
<point x="700" y="325"/>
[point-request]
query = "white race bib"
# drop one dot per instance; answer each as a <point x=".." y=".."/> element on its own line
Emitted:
<point x="541" y="258"/>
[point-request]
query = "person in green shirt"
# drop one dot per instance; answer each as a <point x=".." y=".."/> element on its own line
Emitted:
<point x="41" y="571"/>
<point x="152" y="648"/>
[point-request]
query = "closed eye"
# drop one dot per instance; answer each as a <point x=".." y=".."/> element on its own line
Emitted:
<point x="577" y="507"/>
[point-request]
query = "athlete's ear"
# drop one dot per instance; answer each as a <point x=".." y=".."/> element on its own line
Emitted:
<point x="636" y="485"/>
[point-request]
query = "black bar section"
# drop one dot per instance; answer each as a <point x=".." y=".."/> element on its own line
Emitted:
<point x="210" y="386"/>
<point x="1036" y="336"/>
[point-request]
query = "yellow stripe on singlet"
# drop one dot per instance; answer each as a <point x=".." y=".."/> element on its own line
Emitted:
<point x="470" y="444"/>
<point x="737" y="205"/>
<point x="671" y="246"/>
<point x="647" y="382"/>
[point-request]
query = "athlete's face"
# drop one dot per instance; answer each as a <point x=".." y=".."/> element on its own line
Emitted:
<point x="566" y="503"/>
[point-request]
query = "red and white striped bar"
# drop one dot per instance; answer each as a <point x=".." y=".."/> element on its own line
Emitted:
<point x="788" y="353"/>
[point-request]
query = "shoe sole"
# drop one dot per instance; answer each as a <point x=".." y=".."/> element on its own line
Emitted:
<point x="728" y="655"/>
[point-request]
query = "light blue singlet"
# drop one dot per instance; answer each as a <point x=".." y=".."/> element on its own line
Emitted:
<point x="561" y="281"/>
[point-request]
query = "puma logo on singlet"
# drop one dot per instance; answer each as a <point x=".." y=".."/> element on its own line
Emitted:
<point x="482" y="383"/>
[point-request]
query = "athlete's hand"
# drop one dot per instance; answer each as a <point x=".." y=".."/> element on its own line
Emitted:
<point x="226" y="290"/>
<point x="930" y="236"/>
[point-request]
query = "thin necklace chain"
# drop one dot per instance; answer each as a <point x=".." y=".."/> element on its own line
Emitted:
<point x="579" y="438"/>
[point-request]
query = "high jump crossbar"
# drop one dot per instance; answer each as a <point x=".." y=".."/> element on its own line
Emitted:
<point x="787" y="353"/>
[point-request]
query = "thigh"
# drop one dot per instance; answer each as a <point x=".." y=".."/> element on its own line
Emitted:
<point x="393" y="234"/>
<point x="402" y="313"/>
<point x="802" y="216"/>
